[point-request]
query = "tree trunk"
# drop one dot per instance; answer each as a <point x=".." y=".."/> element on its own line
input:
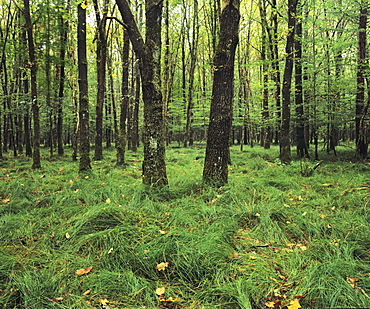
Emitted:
<point x="62" y="76"/>
<point x="361" y="136"/>
<point x="285" y="153"/>
<point x="265" y="133"/>
<point x="85" y="165"/>
<point x="302" y="150"/>
<point x="101" y="60"/>
<point x="122" y="133"/>
<point x="35" y="106"/>
<point x="154" y="167"/>
<point x="217" y="151"/>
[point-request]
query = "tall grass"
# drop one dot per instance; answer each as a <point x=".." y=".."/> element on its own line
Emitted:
<point x="270" y="235"/>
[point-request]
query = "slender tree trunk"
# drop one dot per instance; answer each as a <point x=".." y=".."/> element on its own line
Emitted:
<point x="188" y="140"/>
<point x="35" y="106"/>
<point x="362" y="141"/>
<point x="122" y="134"/>
<point x="101" y="60"/>
<point x="154" y="167"/>
<point x="302" y="150"/>
<point x="265" y="132"/>
<point x="217" y="151"/>
<point x="285" y="153"/>
<point x="85" y="165"/>
<point x="62" y="76"/>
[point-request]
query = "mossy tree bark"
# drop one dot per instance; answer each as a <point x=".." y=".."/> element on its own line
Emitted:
<point x="85" y="165"/>
<point x="154" y="167"/>
<point x="285" y="152"/>
<point x="36" y="161"/>
<point x="215" y="169"/>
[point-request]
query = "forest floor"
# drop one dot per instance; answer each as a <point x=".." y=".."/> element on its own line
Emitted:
<point x="276" y="236"/>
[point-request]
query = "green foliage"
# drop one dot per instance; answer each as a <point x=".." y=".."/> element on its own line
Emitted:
<point x="270" y="235"/>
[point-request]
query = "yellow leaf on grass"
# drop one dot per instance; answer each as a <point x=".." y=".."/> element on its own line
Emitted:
<point x="352" y="281"/>
<point x="103" y="301"/>
<point x="86" y="292"/>
<point x="108" y="200"/>
<point x="7" y="200"/>
<point x="270" y="304"/>
<point x="162" y="266"/>
<point x="83" y="271"/>
<point x="160" y="291"/>
<point x="294" y="304"/>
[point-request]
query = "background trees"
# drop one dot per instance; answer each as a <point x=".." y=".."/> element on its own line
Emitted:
<point x="328" y="96"/>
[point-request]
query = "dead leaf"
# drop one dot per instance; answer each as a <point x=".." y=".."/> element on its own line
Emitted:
<point x="86" y="292"/>
<point x="162" y="232"/>
<point x="57" y="298"/>
<point x="160" y="291"/>
<point x="108" y="200"/>
<point x="162" y="266"/>
<point x="68" y="236"/>
<point x="103" y="301"/>
<point x="352" y="281"/>
<point x="271" y="304"/>
<point x="294" y="304"/>
<point x="83" y="271"/>
<point x="7" y="200"/>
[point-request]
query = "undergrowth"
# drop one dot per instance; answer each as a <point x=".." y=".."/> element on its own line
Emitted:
<point x="272" y="236"/>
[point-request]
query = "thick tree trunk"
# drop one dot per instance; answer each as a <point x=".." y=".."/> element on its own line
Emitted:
<point x="85" y="165"/>
<point x="154" y="167"/>
<point x="217" y="152"/>
<point x="362" y="141"/>
<point x="35" y="106"/>
<point x="285" y="153"/>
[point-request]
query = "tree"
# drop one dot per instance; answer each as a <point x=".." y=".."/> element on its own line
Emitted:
<point x="215" y="169"/>
<point x="361" y="136"/>
<point x="101" y="64"/>
<point x="154" y="167"/>
<point x="302" y="150"/>
<point x="85" y="165"/>
<point x="36" y="163"/>
<point x="285" y="153"/>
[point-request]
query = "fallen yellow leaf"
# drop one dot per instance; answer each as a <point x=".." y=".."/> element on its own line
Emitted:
<point x="87" y="292"/>
<point x="7" y="200"/>
<point x="162" y="266"/>
<point x="103" y="301"/>
<point x="160" y="291"/>
<point x="294" y="304"/>
<point x="83" y="271"/>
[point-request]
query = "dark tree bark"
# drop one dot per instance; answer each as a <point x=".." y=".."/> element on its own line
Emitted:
<point x="101" y="61"/>
<point x="122" y="133"/>
<point x="265" y="133"/>
<point x="85" y="165"/>
<point x="62" y="76"/>
<point x="302" y="150"/>
<point x="362" y="141"/>
<point x="285" y="153"/>
<point x="188" y="139"/>
<point x="217" y="152"/>
<point x="154" y="167"/>
<point x="35" y="106"/>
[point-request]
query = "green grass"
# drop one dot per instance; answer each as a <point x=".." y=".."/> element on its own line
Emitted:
<point x="270" y="235"/>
